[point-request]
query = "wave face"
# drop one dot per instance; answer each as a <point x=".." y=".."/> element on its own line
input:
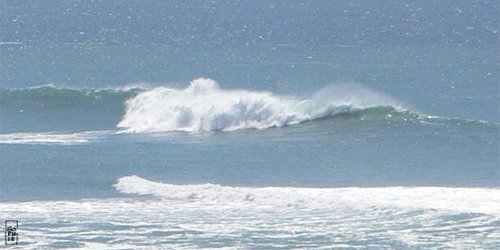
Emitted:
<point x="49" y="95"/>
<point x="204" y="106"/>
<point x="60" y="109"/>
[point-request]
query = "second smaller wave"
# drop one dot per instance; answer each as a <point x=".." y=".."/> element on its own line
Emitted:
<point x="461" y="199"/>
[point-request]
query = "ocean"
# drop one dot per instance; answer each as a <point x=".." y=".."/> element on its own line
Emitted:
<point x="194" y="136"/>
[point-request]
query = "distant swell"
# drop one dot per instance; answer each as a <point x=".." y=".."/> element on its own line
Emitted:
<point x="203" y="106"/>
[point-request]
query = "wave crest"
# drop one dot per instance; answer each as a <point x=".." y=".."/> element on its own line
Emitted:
<point x="204" y="106"/>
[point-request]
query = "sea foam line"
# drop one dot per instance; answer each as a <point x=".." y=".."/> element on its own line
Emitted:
<point x="51" y="138"/>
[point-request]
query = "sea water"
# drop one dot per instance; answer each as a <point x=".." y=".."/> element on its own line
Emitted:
<point x="248" y="142"/>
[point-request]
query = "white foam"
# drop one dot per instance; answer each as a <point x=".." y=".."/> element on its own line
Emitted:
<point x="209" y="216"/>
<point x="475" y="200"/>
<point x="50" y="138"/>
<point x="203" y="106"/>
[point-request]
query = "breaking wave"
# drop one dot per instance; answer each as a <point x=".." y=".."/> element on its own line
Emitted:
<point x="204" y="106"/>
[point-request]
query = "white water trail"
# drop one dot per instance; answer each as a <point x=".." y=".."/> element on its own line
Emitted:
<point x="52" y="138"/>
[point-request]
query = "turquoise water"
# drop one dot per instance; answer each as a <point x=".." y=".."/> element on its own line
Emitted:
<point x="112" y="141"/>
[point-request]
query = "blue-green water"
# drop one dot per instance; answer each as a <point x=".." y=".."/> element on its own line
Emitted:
<point x="307" y="139"/>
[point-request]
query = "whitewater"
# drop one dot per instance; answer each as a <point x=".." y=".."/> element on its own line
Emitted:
<point x="204" y="106"/>
<point x="155" y="214"/>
